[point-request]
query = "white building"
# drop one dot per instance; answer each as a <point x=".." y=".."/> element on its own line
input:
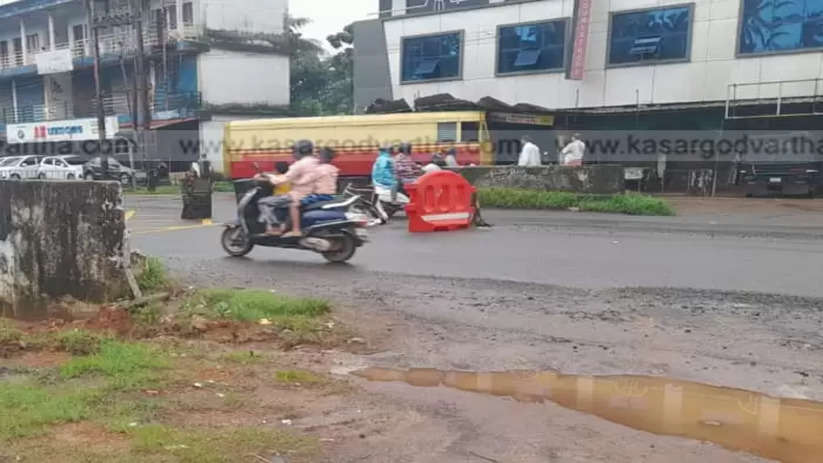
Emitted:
<point x="638" y="53"/>
<point x="205" y="64"/>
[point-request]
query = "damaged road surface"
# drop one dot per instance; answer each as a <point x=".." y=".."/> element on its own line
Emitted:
<point x="624" y="365"/>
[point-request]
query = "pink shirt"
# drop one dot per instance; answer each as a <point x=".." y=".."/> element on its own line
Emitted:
<point x="302" y="175"/>
<point x="326" y="183"/>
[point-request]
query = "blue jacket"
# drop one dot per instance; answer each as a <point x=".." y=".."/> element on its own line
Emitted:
<point x="383" y="170"/>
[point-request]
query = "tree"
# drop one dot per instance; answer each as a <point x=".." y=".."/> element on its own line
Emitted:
<point x="322" y="84"/>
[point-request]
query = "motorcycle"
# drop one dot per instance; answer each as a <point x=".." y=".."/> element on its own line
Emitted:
<point x="330" y="228"/>
<point x="379" y="206"/>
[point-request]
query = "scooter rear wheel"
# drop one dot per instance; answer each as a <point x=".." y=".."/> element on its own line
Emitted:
<point x="235" y="242"/>
<point x="344" y="248"/>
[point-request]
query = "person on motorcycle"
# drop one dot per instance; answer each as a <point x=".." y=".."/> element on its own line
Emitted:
<point x="382" y="173"/>
<point x="325" y="186"/>
<point x="301" y="175"/>
<point x="405" y="168"/>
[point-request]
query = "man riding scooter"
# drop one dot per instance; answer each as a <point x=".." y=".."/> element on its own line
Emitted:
<point x="301" y="176"/>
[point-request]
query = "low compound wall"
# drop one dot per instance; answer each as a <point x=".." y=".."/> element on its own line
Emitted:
<point x="603" y="179"/>
<point x="58" y="239"/>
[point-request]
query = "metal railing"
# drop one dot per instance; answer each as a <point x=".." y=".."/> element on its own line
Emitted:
<point x="185" y="103"/>
<point x="36" y="113"/>
<point x="776" y="94"/>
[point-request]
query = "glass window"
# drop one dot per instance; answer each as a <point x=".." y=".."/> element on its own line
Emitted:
<point x="652" y="35"/>
<point x="469" y="131"/>
<point x="781" y="25"/>
<point x="531" y="47"/>
<point x="188" y="13"/>
<point x="431" y="57"/>
<point x="47" y="162"/>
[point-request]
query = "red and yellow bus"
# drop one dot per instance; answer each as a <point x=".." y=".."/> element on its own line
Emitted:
<point x="356" y="139"/>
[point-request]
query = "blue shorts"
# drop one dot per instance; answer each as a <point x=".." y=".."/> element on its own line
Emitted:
<point x="311" y="199"/>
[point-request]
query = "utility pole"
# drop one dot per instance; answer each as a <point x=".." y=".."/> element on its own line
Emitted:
<point x="143" y="121"/>
<point x="98" y="92"/>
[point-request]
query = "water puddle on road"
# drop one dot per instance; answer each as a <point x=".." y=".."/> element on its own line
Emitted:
<point x="786" y="430"/>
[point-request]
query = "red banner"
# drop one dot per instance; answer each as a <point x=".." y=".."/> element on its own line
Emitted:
<point x="583" y="15"/>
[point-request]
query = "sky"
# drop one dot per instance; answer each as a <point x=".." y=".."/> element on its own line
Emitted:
<point x="330" y="16"/>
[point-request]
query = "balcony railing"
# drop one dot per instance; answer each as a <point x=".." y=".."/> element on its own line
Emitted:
<point x="184" y="104"/>
<point x="36" y="113"/>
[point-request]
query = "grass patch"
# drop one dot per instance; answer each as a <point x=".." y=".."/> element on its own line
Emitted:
<point x="218" y="445"/>
<point x="79" y="342"/>
<point x="224" y="187"/>
<point x="631" y="204"/>
<point x="253" y="305"/>
<point x="298" y="376"/>
<point x="153" y="276"/>
<point x="9" y="334"/>
<point x="25" y="409"/>
<point x="125" y="366"/>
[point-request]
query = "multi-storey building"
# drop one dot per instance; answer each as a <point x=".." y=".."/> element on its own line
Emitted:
<point x="633" y="55"/>
<point x="206" y="61"/>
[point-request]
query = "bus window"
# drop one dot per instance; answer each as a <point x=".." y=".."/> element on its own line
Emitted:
<point x="469" y="132"/>
<point x="447" y="131"/>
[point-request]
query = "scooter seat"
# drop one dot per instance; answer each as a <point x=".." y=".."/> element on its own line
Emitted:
<point x="337" y="203"/>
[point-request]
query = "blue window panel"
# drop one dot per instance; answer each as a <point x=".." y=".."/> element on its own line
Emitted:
<point x="660" y="34"/>
<point x="531" y="47"/>
<point x="431" y="57"/>
<point x="781" y="25"/>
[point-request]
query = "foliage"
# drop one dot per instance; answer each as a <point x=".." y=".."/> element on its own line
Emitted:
<point x="153" y="276"/>
<point x="323" y="85"/>
<point x="124" y="365"/>
<point x="79" y="342"/>
<point x="252" y="306"/>
<point x="632" y="204"/>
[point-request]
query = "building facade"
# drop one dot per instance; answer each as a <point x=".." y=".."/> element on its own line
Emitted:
<point x="634" y="54"/>
<point x="202" y="67"/>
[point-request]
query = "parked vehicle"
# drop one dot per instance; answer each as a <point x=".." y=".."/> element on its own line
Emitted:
<point x="331" y="228"/>
<point x="19" y="167"/>
<point x="93" y="170"/>
<point x="791" y="179"/>
<point x="61" y="168"/>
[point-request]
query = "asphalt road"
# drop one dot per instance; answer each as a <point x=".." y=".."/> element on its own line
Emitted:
<point x="771" y="247"/>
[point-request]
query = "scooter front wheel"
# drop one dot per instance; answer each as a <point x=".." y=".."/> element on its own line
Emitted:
<point x="235" y="242"/>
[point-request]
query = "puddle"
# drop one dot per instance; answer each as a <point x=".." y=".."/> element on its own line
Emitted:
<point x="788" y="430"/>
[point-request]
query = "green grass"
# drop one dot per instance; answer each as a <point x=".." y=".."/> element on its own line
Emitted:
<point x="9" y="334"/>
<point x="631" y="204"/>
<point x="125" y="366"/>
<point x="253" y="305"/>
<point x="224" y="187"/>
<point x="154" y="276"/>
<point x="25" y="409"/>
<point x="79" y="342"/>
<point x="219" y="187"/>
<point x="217" y="445"/>
<point x="298" y="376"/>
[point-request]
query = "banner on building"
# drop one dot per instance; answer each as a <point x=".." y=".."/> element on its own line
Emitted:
<point x="582" y="21"/>
<point x="58" y="131"/>
<point x="52" y="62"/>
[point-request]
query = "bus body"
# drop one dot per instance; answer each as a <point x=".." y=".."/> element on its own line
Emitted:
<point x="356" y="139"/>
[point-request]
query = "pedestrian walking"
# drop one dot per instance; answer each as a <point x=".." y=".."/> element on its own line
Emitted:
<point x="529" y="153"/>
<point x="574" y="152"/>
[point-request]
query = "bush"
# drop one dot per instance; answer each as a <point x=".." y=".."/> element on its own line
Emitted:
<point x="79" y="342"/>
<point x="631" y="204"/>
<point x="153" y="276"/>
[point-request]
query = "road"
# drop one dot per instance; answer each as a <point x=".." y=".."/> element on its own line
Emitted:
<point x="777" y="249"/>
<point x="724" y="294"/>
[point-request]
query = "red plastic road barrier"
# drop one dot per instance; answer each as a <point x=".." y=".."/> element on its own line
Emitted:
<point x="440" y="201"/>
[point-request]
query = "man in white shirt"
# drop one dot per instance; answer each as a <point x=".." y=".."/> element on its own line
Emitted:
<point x="573" y="152"/>
<point x="530" y="154"/>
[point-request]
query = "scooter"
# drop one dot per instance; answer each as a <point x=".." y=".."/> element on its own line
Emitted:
<point x="329" y="227"/>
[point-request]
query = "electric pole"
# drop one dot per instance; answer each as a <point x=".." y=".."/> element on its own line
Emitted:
<point x="143" y="121"/>
<point x="98" y="92"/>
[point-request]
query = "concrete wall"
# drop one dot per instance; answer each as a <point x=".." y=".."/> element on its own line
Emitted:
<point x="265" y="16"/>
<point x="372" y="70"/>
<point x="56" y="239"/>
<point x="234" y="77"/>
<point x="590" y="179"/>
<point x="712" y="62"/>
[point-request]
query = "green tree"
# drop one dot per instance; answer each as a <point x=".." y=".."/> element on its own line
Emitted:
<point x="321" y="84"/>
